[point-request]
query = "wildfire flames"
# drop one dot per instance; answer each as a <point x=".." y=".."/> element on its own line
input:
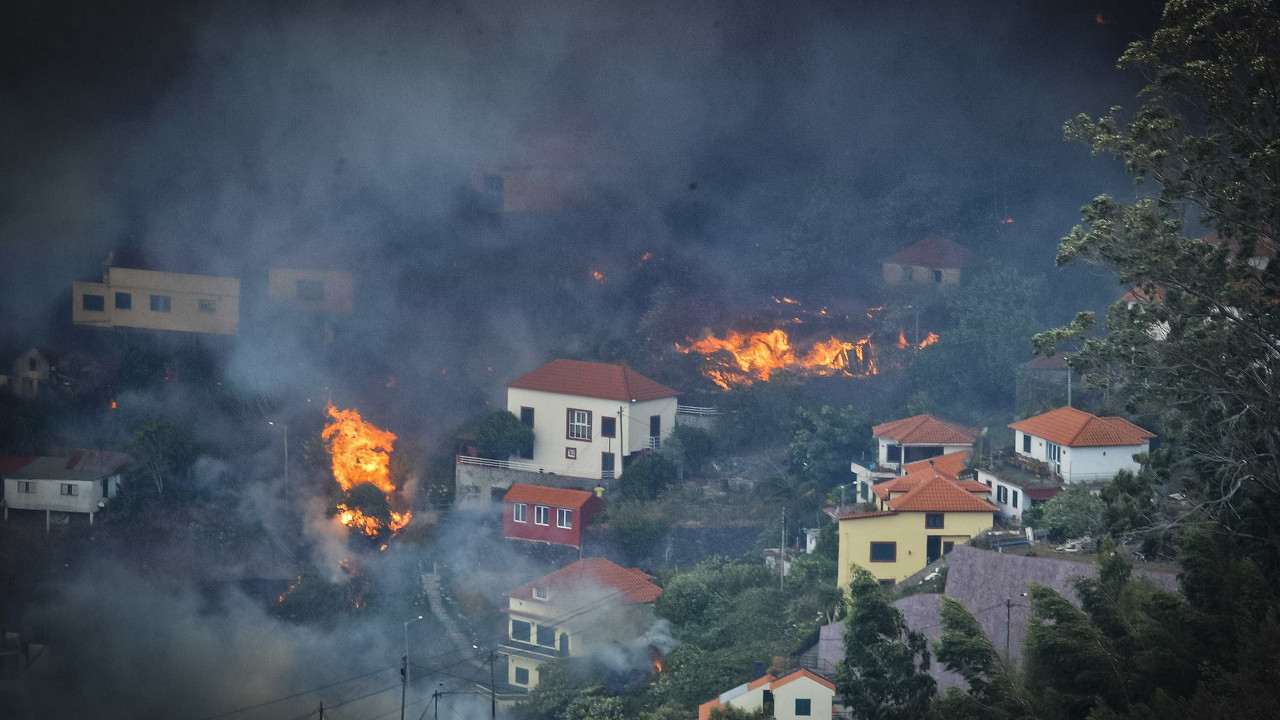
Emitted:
<point x="753" y="356"/>
<point x="361" y="453"/>
<point x="929" y="339"/>
<point x="598" y="277"/>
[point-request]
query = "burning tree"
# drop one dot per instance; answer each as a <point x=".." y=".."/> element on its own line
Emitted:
<point x="361" y="454"/>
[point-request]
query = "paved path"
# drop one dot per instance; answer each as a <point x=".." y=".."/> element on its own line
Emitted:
<point x="431" y="584"/>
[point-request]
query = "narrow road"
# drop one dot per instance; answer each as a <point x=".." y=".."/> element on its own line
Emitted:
<point x="431" y="584"/>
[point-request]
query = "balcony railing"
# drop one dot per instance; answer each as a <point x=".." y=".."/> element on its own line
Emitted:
<point x="505" y="464"/>
<point x="696" y="410"/>
<point x="653" y="443"/>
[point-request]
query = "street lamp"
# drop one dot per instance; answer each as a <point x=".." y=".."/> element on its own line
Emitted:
<point x="286" y="460"/>
<point x="406" y="663"/>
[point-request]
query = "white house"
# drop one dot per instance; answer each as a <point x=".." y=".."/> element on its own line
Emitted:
<point x="1080" y="446"/>
<point x="82" y="483"/>
<point x="919" y="438"/>
<point x="1013" y="497"/>
<point x="800" y="694"/>
<point x="31" y="371"/>
<point x="589" y="418"/>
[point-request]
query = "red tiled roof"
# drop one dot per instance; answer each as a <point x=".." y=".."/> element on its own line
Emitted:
<point x="940" y="494"/>
<point x="1077" y="428"/>
<point x="595" y="572"/>
<point x="1042" y="493"/>
<point x="704" y="710"/>
<point x="559" y="497"/>
<point x="14" y="463"/>
<point x="925" y="430"/>
<point x="950" y="464"/>
<point x="1137" y="294"/>
<point x="913" y="480"/>
<point x="764" y="680"/>
<point x="865" y="515"/>
<point x="1263" y="247"/>
<point x="802" y="673"/>
<point x="933" y="252"/>
<point x="104" y="461"/>
<point x="611" y="381"/>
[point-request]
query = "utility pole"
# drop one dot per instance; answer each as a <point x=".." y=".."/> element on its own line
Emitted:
<point x="321" y="710"/>
<point x="404" y="682"/>
<point x="782" y="550"/>
<point x="1068" y="386"/>
<point x="493" y="688"/>
<point x="1008" y="616"/>
<point x="436" y="696"/>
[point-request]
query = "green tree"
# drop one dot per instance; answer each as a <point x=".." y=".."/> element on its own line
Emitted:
<point x="646" y="477"/>
<point x="824" y="442"/>
<point x="639" y="528"/>
<point x="160" y="451"/>
<point x="885" y="671"/>
<point x="965" y="649"/>
<point x="732" y="712"/>
<point x="692" y="447"/>
<point x="500" y="435"/>
<point x="1074" y="512"/>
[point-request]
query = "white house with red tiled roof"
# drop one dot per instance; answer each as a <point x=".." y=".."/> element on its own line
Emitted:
<point x="1080" y="446"/>
<point x="589" y="418"/>
<point x="573" y="612"/>
<point x="920" y="437"/>
<point x="922" y="516"/>
<point x="933" y="260"/>
<point x="799" y="694"/>
<point x="82" y="483"/>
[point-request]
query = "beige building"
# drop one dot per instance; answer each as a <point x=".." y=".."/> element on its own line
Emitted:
<point x="923" y="516"/>
<point x="31" y="371"/>
<point x="573" y="612"/>
<point x="154" y="300"/>
<point x="933" y="260"/>
<point x="326" y="291"/>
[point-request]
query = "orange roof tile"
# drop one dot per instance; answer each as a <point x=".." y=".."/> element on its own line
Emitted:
<point x="764" y="680"/>
<point x="704" y="710"/>
<point x="939" y="494"/>
<point x="933" y="252"/>
<point x="950" y="464"/>
<point x="864" y="515"/>
<point x="597" y="572"/>
<point x="1076" y="428"/>
<point x="925" y="430"/>
<point x="611" y="381"/>
<point x="802" y="673"/>
<point x="913" y="480"/>
<point x="559" y="497"/>
<point x="1138" y="294"/>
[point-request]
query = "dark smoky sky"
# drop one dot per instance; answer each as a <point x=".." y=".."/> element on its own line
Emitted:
<point x="225" y="137"/>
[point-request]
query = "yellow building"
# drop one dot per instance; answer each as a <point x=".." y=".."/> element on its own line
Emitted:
<point x="158" y="301"/>
<point x="326" y="291"/>
<point x="922" y="516"/>
<point x="573" y="612"/>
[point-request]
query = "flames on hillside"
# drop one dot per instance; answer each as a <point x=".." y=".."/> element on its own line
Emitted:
<point x="361" y="453"/>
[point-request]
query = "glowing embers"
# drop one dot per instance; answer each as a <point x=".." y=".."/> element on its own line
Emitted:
<point x="743" y="358"/>
<point x="361" y="454"/>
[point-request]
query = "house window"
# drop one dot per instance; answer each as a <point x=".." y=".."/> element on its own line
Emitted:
<point x="26" y="486"/>
<point x="31" y="365"/>
<point x="124" y="301"/>
<point x="520" y="512"/>
<point x="1026" y="443"/>
<point x="95" y="303"/>
<point x="608" y="427"/>
<point x="564" y="518"/>
<point x="70" y="489"/>
<point x="546" y="636"/>
<point x="160" y="303"/>
<point x="206" y="306"/>
<point x="310" y="290"/>
<point x="522" y="676"/>
<point x="803" y="707"/>
<point x="933" y="520"/>
<point x="893" y="453"/>
<point x="579" y="424"/>
<point x="521" y="630"/>
<point x="887" y="582"/>
<point x="526" y="419"/>
<point x="655" y="426"/>
<point x="541" y="593"/>
<point x="884" y="552"/>
<point x="1053" y="451"/>
<point x="1002" y="495"/>
<point x="540" y="514"/>
<point x="1015" y="498"/>
<point x="937" y="276"/>
<point x="570" y="453"/>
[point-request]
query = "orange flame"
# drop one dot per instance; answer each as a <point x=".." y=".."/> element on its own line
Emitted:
<point x="928" y="340"/>
<point x="902" y="340"/>
<point x="361" y="453"/>
<point x="646" y="257"/>
<point x="756" y="355"/>
<point x="599" y="276"/>
<point x="657" y="665"/>
<point x="292" y="587"/>
<point x="1101" y="20"/>
<point x="113" y="404"/>
<point x="391" y="381"/>
<point x="1007" y="221"/>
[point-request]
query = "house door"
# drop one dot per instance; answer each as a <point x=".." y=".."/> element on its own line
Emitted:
<point x="655" y="431"/>
<point x="606" y="466"/>
<point x="933" y="548"/>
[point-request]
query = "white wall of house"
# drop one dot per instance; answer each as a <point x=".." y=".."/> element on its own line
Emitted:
<point x="1085" y="464"/>
<point x="552" y="445"/>
<point x="53" y="494"/>
<point x="1007" y="496"/>
<point x="819" y="697"/>
<point x="885" y="443"/>
<point x="744" y="699"/>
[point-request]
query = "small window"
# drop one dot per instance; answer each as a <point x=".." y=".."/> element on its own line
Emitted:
<point x="526" y="417"/>
<point x="937" y="276"/>
<point x="32" y="365"/>
<point x="546" y="636"/>
<point x="608" y="427"/>
<point x="541" y="593"/>
<point x="1002" y="495"/>
<point x="26" y="486"/>
<point x="1015" y="498"/>
<point x="570" y="453"/>
<point x="521" y="630"/>
<point x="310" y="290"/>
<point x="93" y="303"/>
<point x="70" y="490"/>
<point x="655" y="426"/>
<point x="520" y="512"/>
<point x="1026" y="443"/>
<point x="579" y="424"/>
<point x="884" y="552"/>
<point x="933" y="520"/>
<point x="522" y="676"/>
<point x="124" y="301"/>
<point x="206" y="306"/>
<point x="541" y="513"/>
<point x="803" y="707"/>
<point x="160" y="303"/>
<point x="564" y="518"/>
<point x="887" y="582"/>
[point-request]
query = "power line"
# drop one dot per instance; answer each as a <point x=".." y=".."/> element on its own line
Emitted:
<point x="295" y="695"/>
